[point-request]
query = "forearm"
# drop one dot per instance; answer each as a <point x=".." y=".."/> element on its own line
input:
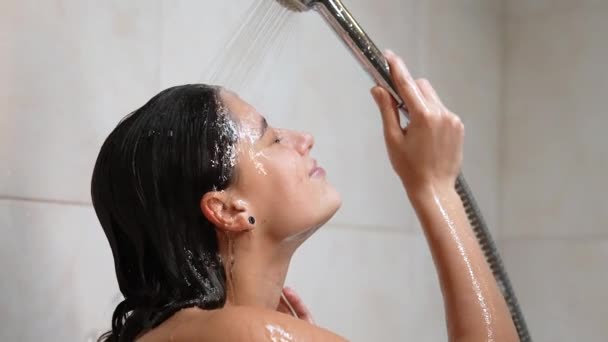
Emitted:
<point x="427" y="152"/>
<point x="475" y="308"/>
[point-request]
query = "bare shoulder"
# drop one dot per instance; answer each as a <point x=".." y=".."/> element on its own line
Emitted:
<point x="243" y="324"/>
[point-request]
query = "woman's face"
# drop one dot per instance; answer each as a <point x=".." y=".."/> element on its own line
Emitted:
<point x="284" y="188"/>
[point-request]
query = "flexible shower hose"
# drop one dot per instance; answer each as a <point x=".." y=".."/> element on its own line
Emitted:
<point x="492" y="256"/>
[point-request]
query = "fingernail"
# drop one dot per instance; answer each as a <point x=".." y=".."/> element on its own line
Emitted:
<point x="389" y="52"/>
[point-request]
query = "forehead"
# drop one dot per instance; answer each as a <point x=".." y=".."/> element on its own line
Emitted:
<point x="241" y="111"/>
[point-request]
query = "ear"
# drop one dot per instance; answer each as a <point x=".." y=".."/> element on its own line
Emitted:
<point x="226" y="212"/>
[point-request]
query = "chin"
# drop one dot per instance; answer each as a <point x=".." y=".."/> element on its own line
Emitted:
<point x="337" y="203"/>
<point x="328" y="205"/>
<point x="333" y="203"/>
<point x="328" y="213"/>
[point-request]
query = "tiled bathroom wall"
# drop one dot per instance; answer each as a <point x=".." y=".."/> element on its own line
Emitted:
<point x="71" y="69"/>
<point x="554" y="234"/>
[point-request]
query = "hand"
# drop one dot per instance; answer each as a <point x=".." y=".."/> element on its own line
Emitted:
<point x="429" y="151"/>
<point x="299" y="309"/>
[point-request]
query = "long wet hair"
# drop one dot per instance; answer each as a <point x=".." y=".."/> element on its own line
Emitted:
<point x="149" y="178"/>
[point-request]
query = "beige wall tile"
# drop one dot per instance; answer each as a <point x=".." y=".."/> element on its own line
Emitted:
<point x="555" y="160"/>
<point x="370" y="285"/>
<point x="59" y="282"/>
<point x="70" y="70"/>
<point x="561" y="286"/>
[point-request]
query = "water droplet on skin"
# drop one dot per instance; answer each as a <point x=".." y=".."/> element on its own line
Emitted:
<point x="278" y="334"/>
<point x="487" y="316"/>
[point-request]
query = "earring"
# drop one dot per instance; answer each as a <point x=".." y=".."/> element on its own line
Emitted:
<point x="251" y="220"/>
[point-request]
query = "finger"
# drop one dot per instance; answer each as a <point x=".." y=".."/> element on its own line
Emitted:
<point x="388" y="109"/>
<point x="429" y="93"/>
<point x="424" y="89"/>
<point x="283" y="307"/>
<point x="406" y="86"/>
<point x="298" y="305"/>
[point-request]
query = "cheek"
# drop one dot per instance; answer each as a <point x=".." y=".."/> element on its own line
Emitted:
<point x="283" y="192"/>
<point x="289" y="169"/>
<point x="286" y="176"/>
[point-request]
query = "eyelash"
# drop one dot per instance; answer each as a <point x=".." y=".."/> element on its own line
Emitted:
<point x="277" y="140"/>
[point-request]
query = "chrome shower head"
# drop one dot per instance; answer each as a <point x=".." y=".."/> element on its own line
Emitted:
<point x="297" y="5"/>
<point x="344" y="24"/>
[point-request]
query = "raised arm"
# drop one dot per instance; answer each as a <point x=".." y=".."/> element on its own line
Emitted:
<point x="427" y="156"/>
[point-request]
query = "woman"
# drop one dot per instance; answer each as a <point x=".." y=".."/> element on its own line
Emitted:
<point x="204" y="204"/>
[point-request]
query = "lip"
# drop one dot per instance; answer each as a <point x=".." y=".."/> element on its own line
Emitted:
<point x="316" y="170"/>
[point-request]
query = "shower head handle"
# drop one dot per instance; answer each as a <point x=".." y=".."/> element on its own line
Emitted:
<point x="358" y="42"/>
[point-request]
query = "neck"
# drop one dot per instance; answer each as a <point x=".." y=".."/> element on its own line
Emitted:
<point x="255" y="270"/>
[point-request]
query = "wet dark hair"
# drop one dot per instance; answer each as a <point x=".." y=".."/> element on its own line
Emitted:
<point x="149" y="178"/>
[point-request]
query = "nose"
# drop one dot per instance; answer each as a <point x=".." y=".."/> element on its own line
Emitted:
<point x="305" y="143"/>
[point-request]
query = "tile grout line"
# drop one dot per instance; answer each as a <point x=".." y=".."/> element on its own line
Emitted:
<point x="422" y="11"/>
<point x="502" y="113"/>
<point x="45" y="200"/>
<point x="161" y="28"/>
<point x="339" y="225"/>
<point x="336" y="225"/>
<point x="505" y="239"/>
<point x="372" y="228"/>
<point x="539" y="238"/>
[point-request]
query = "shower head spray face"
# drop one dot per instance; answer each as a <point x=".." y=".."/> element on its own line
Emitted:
<point x="297" y="5"/>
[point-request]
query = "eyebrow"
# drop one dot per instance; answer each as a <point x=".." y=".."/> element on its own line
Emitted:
<point x="264" y="125"/>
